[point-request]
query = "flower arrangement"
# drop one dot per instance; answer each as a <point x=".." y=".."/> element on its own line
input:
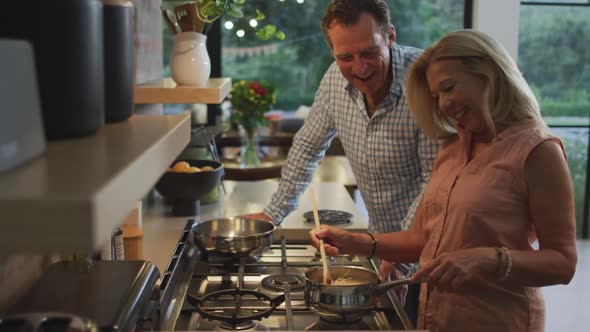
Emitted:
<point x="250" y="100"/>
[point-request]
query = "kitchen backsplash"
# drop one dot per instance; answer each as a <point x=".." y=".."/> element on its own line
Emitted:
<point x="148" y="46"/>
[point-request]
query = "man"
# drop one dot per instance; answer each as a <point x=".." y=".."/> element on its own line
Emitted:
<point x="361" y="99"/>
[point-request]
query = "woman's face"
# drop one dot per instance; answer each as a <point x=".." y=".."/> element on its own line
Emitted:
<point x="459" y="95"/>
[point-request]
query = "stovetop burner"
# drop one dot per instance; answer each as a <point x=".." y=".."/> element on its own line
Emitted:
<point x="229" y="259"/>
<point x="324" y="325"/>
<point x="246" y="326"/>
<point x="279" y="282"/>
<point x="329" y="217"/>
<point x="235" y="306"/>
<point x="264" y="295"/>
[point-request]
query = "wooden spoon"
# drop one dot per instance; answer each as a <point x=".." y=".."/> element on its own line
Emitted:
<point x="316" y="217"/>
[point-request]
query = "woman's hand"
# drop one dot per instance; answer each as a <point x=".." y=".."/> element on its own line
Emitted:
<point x="336" y="240"/>
<point x="454" y="270"/>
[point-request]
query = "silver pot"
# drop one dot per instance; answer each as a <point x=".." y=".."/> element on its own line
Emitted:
<point x="233" y="236"/>
<point x="355" y="291"/>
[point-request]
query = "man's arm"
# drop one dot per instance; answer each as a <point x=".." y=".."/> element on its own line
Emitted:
<point x="309" y="146"/>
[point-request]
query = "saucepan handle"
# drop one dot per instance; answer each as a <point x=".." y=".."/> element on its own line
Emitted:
<point x="382" y="288"/>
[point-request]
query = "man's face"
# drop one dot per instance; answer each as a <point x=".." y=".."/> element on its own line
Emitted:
<point x="362" y="54"/>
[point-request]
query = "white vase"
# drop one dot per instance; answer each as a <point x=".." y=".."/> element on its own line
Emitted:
<point x="190" y="63"/>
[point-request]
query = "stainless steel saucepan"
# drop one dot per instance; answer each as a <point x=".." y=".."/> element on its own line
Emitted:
<point x="354" y="291"/>
<point x="233" y="236"/>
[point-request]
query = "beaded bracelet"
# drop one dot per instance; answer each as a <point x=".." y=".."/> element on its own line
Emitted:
<point x="506" y="273"/>
<point x="500" y="265"/>
<point x="374" y="244"/>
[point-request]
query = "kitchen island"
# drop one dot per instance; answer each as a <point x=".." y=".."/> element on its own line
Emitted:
<point x="162" y="231"/>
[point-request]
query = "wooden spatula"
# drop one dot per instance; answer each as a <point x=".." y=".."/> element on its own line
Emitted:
<point x="187" y="17"/>
<point x="316" y="217"/>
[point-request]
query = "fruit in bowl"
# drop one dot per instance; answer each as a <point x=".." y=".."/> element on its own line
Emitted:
<point x="183" y="184"/>
<point x="184" y="167"/>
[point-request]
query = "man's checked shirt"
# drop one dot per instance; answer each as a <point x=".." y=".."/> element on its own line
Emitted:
<point x="390" y="157"/>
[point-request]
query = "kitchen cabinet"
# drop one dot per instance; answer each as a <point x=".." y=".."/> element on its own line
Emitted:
<point x="71" y="197"/>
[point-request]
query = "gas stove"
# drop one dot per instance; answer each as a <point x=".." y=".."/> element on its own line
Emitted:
<point x="266" y="293"/>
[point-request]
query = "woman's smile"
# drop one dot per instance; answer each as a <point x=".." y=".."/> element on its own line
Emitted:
<point x="459" y="94"/>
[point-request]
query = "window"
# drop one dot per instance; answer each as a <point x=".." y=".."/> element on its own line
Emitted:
<point x="555" y="60"/>
<point x="296" y="65"/>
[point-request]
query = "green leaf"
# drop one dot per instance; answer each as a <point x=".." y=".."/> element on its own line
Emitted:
<point x="235" y="12"/>
<point x="210" y="9"/>
<point x="259" y="15"/>
<point x="266" y="32"/>
<point x="280" y="35"/>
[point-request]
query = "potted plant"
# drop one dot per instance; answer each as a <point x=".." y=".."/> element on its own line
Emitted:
<point x="190" y="22"/>
<point x="250" y="100"/>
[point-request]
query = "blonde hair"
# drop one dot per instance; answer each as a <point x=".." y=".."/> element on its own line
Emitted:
<point x="510" y="98"/>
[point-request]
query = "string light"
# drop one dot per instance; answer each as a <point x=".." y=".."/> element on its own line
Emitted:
<point x="240" y="33"/>
<point x="300" y="1"/>
<point x="253" y="23"/>
<point x="229" y="25"/>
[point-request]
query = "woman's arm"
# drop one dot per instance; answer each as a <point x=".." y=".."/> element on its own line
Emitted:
<point x="400" y="247"/>
<point x="551" y="202"/>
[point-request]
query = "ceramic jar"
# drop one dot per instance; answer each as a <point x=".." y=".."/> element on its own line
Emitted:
<point x="189" y="64"/>
<point x="119" y="59"/>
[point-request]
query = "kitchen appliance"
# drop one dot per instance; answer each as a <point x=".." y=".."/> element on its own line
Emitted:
<point x="21" y="129"/>
<point x="119" y="59"/>
<point x="47" y="321"/>
<point x="67" y="38"/>
<point x="115" y="295"/>
<point x="209" y="292"/>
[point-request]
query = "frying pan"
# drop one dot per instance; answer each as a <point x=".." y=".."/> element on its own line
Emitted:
<point x="241" y="237"/>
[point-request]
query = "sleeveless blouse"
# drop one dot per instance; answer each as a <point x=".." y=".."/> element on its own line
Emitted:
<point x="482" y="202"/>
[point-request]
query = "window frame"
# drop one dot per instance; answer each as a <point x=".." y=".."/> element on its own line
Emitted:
<point x="585" y="218"/>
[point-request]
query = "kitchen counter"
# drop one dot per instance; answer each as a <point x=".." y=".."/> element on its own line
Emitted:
<point x="161" y="231"/>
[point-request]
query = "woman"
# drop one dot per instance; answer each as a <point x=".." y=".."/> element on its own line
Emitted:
<point x="499" y="176"/>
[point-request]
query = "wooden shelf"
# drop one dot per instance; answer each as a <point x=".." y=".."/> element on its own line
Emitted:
<point x="72" y="197"/>
<point x="166" y="91"/>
